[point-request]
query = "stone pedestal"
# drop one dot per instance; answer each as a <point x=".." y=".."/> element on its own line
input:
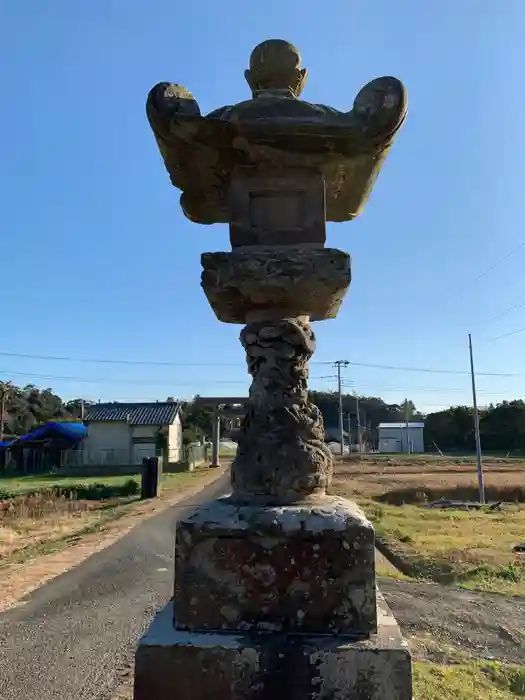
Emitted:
<point x="274" y="602"/>
<point x="305" y="568"/>
<point x="173" y="664"/>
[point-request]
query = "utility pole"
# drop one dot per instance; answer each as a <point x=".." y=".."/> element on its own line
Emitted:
<point x="3" y="400"/>
<point x="406" y="426"/>
<point x="216" y="436"/>
<point x="82" y="410"/>
<point x="358" y="423"/>
<point x="349" y="422"/>
<point x="339" y="364"/>
<point x="479" y="458"/>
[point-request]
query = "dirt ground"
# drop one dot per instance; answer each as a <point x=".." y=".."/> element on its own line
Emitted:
<point x="443" y="623"/>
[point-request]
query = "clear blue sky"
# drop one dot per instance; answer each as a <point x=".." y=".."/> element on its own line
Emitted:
<point x="99" y="262"/>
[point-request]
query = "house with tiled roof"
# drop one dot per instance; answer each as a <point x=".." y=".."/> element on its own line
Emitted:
<point x="126" y="433"/>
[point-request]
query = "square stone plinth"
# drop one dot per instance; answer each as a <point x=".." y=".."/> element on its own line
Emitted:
<point x="300" y="568"/>
<point x="179" y="665"/>
<point x="289" y="281"/>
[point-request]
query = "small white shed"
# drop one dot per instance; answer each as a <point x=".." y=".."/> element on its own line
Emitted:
<point x="401" y="437"/>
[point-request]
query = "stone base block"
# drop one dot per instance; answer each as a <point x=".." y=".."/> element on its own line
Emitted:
<point x="176" y="665"/>
<point x="299" y="568"/>
<point x="287" y="281"/>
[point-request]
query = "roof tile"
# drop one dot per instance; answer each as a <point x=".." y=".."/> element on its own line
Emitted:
<point x="158" y="413"/>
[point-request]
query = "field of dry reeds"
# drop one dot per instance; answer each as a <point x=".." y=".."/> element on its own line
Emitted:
<point x="473" y="547"/>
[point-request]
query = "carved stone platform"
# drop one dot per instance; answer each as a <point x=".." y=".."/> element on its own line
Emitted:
<point x="306" y="568"/>
<point x="171" y="664"/>
<point x="284" y="281"/>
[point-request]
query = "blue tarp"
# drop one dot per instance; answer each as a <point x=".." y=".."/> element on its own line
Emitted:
<point x="74" y="431"/>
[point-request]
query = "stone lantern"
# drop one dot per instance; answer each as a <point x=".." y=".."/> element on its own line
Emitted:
<point x="275" y="591"/>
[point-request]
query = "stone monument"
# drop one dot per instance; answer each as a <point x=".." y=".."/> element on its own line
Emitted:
<point x="275" y="592"/>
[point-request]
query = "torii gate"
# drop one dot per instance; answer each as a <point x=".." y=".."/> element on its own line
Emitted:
<point x="218" y="403"/>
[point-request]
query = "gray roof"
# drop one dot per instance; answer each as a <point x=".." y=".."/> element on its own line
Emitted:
<point x="401" y="425"/>
<point x="331" y="432"/>
<point x="158" y="413"/>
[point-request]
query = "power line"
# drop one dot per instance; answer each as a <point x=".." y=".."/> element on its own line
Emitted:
<point x="416" y="389"/>
<point x="113" y="381"/>
<point x="141" y="382"/>
<point x="98" y="360"/>
<point x="505" y="335"/>
<point x="431" y="370"/>
<point x="108" y="361"/>
<point x="499" y="261"/>
<point x="506" y="312"/>
<point x="169" y="363"/>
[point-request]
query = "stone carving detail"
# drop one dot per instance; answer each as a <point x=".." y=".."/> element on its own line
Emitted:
<point x="281" y="457"/>
<point x="291" y="281"/>
<point x="275" y="128"/>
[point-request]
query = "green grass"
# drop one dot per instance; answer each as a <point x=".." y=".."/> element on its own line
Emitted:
<point x="227" y="452"/>
<point x="35" y="482"/>
<point x="472" y="549"/>
<point x="468" y="681"/>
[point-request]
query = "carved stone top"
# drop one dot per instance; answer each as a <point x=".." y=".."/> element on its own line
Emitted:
<point x="276" y="65"/>
<point x="275" y="129"/>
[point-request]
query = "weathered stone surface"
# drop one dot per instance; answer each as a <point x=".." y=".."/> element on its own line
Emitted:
<point x="275" y="282"/>
<point x="184" y="665"/>
<point x="305" y="568"/>
<point x="275" y="128"/>
<point x="281" y="455"/>
<point x="276" y="207"/>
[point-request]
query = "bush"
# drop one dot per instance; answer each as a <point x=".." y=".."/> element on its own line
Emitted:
<point x="81" y="492"/>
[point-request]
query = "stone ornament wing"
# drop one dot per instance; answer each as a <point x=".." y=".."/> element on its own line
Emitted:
<point x="378" y="113"/>
<point x="380" y="109"/>
<point x="183" y="139"/>
<point x="167" y="106"/>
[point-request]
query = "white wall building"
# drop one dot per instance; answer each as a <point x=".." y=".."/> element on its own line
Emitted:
<point x="396" y="437"/>
<point x="125" y="433"/>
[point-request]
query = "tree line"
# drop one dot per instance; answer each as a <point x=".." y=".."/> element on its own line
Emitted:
<point x="502" y="425"/>
<point x="28" y="407"/>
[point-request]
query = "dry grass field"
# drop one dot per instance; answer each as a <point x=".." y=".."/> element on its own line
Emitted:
<point x="471" y="548"/>
<point x="36" y="518"/>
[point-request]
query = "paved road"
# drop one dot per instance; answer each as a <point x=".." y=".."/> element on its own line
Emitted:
<point x="75" y="636"/>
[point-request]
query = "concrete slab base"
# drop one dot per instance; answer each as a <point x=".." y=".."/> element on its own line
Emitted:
<point x="181" y="665"/>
